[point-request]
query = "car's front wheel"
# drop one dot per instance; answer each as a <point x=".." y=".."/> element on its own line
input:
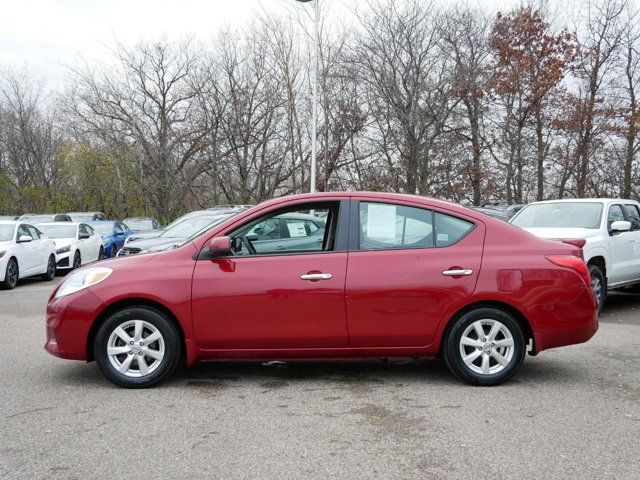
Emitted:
<point x="51" y="269"/>
<point x="485" y="346"/>
<point x="77" y="261"/>
<point x="137" y="347"/>
<point x="598" y="285"/>
<point x="11" y="275"/>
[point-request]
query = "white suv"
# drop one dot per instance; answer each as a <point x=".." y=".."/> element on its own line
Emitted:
<point x="610" y="227"/>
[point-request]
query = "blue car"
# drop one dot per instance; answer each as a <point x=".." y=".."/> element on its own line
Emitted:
<point x="113" y="235"/>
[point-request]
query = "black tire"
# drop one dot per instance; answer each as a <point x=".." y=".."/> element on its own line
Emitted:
<point x="114" y="251"/>
<point x="453" y="354"/>
<point x="167" y="364"/>
<point x="101" y="254"/>
<point x="599" y="285"/>
<point x="51" y="269"/>
<point x="11" y="275"/>
<point x="77" y="261"/>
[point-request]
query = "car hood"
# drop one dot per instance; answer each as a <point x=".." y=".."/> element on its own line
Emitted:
<point x="561" y="232"/>
<point x="145" y="234"/>
<point x="5" y="245"/>
<point x="63" y="242"/>
<point x="155" y="244"/>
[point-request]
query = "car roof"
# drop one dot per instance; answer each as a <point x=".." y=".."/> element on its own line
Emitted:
<point x="586" y="200"/>
<point x="138" y="218"/>
<point x="101" y="222"/>
<point x="60" y="223"/>
<point x="11" y="222"/>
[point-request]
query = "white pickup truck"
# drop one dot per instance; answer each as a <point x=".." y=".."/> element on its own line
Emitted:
<point x="610" y="227"/>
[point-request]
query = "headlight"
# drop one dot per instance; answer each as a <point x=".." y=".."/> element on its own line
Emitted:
<point x="2" y="254"/>
<point x="63" y="250"/>
<point x="83" y="279"/>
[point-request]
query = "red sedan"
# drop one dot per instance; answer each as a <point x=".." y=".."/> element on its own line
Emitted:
<point x="335" y="275"/>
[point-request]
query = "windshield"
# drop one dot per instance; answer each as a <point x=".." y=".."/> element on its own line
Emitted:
<point x="560" y="215"/>
<point x="6" y="233"/>
<point x="81" y="217"/>
<point x="139" y="223"/>
<point x="103" y="228"/>
<point x="58" y="231"/>
<point x="37" y="218"/>
<point x="190" y="227"/>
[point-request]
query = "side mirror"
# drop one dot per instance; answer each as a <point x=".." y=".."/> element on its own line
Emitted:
<point x="25" y="238"/>
<point x="220" y="247"/>
<point x="83" y="236"/>
<point x="620" y="226"/>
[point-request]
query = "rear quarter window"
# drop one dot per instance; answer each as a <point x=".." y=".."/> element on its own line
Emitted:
<point x="450" y="230"/>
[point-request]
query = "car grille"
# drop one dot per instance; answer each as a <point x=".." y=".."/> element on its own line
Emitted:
<point x="128" y="251"/>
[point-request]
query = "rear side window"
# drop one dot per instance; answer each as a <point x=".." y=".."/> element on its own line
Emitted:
<point x="450" y="230"/>
<point x="387" y="226"/>
<point x="634" y="216"/>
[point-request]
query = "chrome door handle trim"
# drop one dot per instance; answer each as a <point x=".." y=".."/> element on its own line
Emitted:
<point x="316" y="276"/>
<point x="457" y="273"/>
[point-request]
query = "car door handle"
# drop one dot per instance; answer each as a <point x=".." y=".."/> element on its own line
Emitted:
<point x="315" y="276"/>
<point x="457" y="273"/>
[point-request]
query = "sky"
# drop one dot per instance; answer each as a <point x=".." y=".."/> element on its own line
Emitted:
<point x="45" y="35"/>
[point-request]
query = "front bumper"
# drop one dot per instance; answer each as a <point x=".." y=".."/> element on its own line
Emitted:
<point x="63" y="260"/>
<point x="3" y="267"/>
<point x="68" y="324"/>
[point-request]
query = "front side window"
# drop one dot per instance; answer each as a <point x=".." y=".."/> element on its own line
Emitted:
<point x="33" y="231"/>
<point x="388" y="226"/>
<point x="615" y="214"/>
<point x="292" y="231"/>
<point x="22" y="231"/>
<point x="633" y="215"/>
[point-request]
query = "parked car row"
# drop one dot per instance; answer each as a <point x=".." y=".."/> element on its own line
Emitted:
<point x="32" y="243"/>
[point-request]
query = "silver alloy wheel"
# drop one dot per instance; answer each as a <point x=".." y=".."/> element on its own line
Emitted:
<point x="51" y="267"/>
<point x="596" y="285"/>
<point x="135" y="348"/>
<point x="486" y="347"/>
<point x="12" y="273"/>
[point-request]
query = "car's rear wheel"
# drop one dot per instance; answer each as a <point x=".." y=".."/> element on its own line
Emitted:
<point x="11" y="275"/>
<point x="51" y="269"/>
<point x="137" y="347"/>
<point x="485" y="346"/>
<point x="598" y="285"/>
<point x="77" y="261"/>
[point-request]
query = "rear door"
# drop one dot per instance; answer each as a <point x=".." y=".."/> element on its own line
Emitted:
<point x="407" y="266"/>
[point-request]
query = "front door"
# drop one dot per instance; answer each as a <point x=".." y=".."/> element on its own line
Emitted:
<point x="621" y="268"/>
<point x="409" y="266"/>
<point x="287" y="297"/>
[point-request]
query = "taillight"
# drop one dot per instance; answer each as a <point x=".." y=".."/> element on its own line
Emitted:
<point x="572" y="262"/>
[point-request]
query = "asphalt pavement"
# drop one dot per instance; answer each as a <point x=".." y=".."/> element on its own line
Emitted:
<point x="572" y="412"/>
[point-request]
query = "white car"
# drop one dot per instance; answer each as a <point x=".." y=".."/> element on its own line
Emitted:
<point x="76" y="243"/>
<point x="609" y="227"/>
<point x="24" y="252"/>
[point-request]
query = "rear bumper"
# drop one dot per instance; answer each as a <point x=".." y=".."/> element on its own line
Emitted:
<point x="563" y="324"/>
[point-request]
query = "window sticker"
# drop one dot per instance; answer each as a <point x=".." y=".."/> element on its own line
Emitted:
<point x="381" y="221"/>
<point x="296" y="229"/>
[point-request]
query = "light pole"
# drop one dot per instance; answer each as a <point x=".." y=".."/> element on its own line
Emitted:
<point x="314" y="87"/>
